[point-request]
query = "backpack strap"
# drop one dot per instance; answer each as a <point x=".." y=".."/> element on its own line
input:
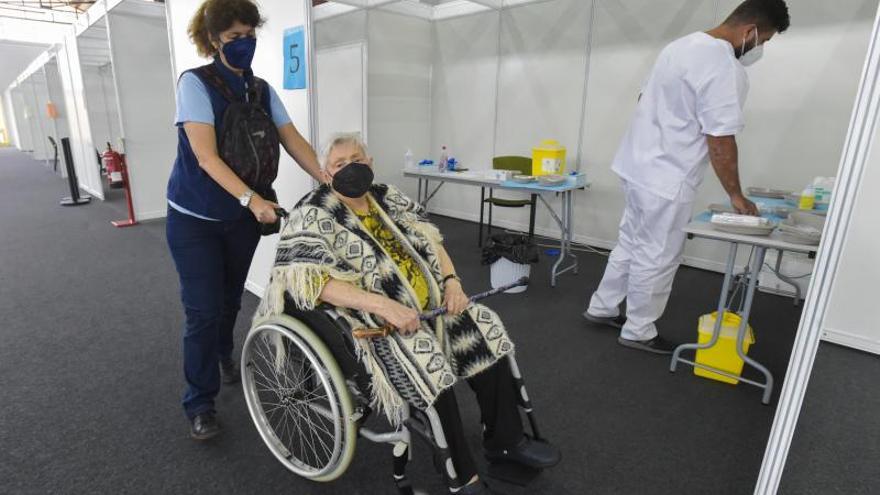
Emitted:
<point x="256" y="88"/>
<point x="208" y="73"/>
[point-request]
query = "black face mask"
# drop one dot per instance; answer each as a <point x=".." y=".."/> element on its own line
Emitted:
<point x="354" y="180"/>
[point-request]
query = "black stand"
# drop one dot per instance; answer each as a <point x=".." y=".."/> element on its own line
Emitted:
<point x="55" y="159"/>
<point x="75" y="199"/>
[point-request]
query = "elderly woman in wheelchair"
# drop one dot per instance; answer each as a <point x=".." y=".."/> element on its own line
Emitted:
<point x="358" y="258"/>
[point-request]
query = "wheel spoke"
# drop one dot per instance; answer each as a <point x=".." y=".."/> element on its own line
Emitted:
<point x="297" y="399"/>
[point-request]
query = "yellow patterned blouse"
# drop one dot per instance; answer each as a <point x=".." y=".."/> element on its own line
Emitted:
<point x="407" y="265"/>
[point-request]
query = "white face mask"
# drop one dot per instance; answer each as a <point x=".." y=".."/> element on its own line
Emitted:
<point x="753" y="55"/>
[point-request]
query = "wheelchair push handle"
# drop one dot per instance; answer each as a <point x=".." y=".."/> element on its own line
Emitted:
<point x="384" y="331"/>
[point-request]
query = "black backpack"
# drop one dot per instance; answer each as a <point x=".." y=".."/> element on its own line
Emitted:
<point x="249" y="141"/>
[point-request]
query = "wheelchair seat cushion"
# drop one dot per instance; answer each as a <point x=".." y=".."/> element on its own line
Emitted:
<point x="324" y="238"/>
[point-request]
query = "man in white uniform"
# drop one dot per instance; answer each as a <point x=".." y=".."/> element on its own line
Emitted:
<point x="689" y="113"/>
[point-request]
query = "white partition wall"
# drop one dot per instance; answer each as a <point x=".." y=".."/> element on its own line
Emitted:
<point x="60" y="125"/>
<point x="9" y="114"/>
<point x="399" y="54"/>
<point x="342" y="105"/>
<point x="463" y="99"/>
<point x="849" y="320"/>
<point x="142" y="68"/>
<point x="43" y="124"/>
<point x="103" y="111"/>
<point x="341" y="48"/>
<point x="5" y="139"/>
<point x="31" y="109"/>
<point x="82" y="147"/>
<point x="22" y="120"/>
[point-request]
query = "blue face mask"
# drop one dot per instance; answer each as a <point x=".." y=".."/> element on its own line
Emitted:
<point x="240" y="53"/>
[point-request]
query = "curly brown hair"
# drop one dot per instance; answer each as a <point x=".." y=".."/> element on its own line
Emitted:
<point x="215" y="16"/>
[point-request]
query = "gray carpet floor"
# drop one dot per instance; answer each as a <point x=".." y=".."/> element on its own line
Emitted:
<point x="90" y="378"/>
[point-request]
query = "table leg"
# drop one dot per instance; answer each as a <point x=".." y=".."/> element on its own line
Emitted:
<point x="790" y="281"/>
<point x="491" y="197"/>
<point x="532" y="216"/>
<point x="566" y="227"/>
<point x="430" y="194"/>
<point x="757" y="263"/>
<point x="554" y="272"/>
<point x="570" y="229"/>
<point x="482" y="207"/>
<point x="722" y="306"/>
<point x="419" y="197"/>
<point x="565" y="224"/>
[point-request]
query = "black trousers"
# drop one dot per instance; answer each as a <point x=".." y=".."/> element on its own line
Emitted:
<point x="494" y="388"/>
<point x="499" y="414"/>
<point x="212" y="260"/>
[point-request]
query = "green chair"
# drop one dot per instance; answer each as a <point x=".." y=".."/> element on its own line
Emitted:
<point x="521" y="165"/>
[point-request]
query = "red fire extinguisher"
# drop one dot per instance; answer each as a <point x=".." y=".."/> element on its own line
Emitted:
<point x="113" y="166"/>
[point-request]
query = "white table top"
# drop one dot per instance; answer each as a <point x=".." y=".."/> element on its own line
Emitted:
<point x="705" y="230"/>
<point x="482" y="178"/>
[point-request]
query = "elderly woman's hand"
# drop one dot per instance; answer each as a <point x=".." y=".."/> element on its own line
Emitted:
<point x="455" y="300"/>
<point x="403" y="318"/>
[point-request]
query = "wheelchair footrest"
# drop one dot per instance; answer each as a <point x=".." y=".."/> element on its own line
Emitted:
<point x="515" y="474"/>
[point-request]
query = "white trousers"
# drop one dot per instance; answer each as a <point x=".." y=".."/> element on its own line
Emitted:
<point x="642" y="266"/>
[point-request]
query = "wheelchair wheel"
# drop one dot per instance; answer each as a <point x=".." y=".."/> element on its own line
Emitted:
<point x="298" y="398"/>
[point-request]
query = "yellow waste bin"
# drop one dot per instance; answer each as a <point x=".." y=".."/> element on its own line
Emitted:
<point x="722" y="355"/>
<point x="548" y="158"/>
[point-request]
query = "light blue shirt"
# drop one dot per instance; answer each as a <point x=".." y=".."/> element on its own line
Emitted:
<point x="194" y="105"/>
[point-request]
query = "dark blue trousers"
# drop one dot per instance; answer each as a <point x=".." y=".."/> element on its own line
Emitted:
<point x="212" y="259"/>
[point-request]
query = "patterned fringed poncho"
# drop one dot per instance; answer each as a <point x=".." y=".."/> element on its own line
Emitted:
<point x="324" y="237"/>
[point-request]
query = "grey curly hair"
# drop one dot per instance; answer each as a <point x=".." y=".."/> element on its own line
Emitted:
<point x="342" y="139"/>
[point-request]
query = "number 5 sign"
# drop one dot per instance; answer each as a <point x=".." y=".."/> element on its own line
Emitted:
<point x="294" y="58"/>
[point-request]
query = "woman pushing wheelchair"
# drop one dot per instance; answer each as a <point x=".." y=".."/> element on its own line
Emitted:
<point x="366" y="249"/>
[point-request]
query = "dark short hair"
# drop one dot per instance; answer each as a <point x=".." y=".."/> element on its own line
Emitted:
<point x="767" y="14"/>
<point x="215" y="16"/>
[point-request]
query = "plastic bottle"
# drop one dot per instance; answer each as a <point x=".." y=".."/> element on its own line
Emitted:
<point x="823" y="186"/>
<point x="444" y="159"/>
<point x="808" y="199"/>
<point x="409" y="162"/>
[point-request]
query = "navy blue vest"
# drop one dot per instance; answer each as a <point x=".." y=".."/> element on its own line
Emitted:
<point x="191" y="187"/>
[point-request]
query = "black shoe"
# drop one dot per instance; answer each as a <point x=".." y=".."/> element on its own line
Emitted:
<point x="478" y="488"/>
<point x="613" y="322"/>
<point x="529" y="453"/>
<point x="657" y="345"/>
<point x="204" y="426"/>
<point x="229" y="371"/>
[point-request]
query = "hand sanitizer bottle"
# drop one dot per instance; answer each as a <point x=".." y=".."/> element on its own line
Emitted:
<point x="409" y="162"/>
<point x="444" y="159"/>
<point x="808" y="199"/>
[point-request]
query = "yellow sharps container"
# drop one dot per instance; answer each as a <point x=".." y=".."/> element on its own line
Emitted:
<point x="722" y="355"/>
<point x="548" y="158"/>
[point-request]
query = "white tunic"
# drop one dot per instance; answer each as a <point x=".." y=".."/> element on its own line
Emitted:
<point x="696" y="88"/>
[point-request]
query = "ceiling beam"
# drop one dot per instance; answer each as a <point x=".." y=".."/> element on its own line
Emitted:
<point x="492" y="4"/>
<point x="25" y="12"/>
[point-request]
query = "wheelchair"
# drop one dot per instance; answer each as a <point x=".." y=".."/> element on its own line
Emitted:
<point x="307" y="396"/>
